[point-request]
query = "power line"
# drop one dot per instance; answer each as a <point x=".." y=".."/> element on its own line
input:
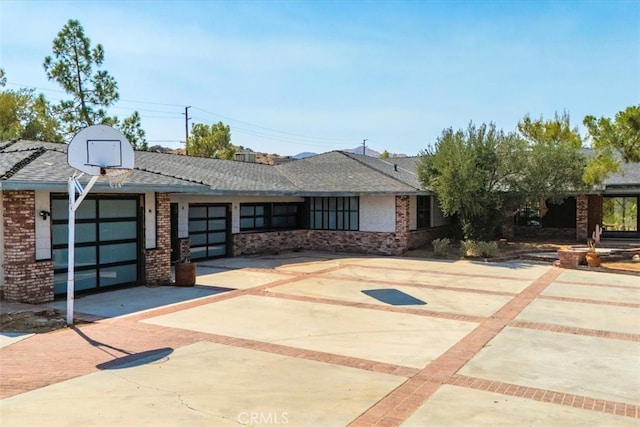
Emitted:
<point x="248" y="128"/>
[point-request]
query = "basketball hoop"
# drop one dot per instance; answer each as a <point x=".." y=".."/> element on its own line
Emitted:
<point x="96" y="151"/>
<point x="115" y="176"/>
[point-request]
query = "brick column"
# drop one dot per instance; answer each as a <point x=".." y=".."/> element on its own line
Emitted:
<point x="26" y="280"/>
<point x="582" y="218"/>
<point x="402" y="223"/>
<point x="158" y="260"/>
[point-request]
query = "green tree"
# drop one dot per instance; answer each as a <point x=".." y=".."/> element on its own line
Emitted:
<point x="72" y="66"/>
<point x="470" y="170"/>
<point x="612" y="141"/>
<point x="25" y="115"/>
<point x="554" y="162"/>
<point x="211" y="141"/>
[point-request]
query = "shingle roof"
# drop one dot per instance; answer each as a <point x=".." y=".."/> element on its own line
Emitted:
<point x="339" y="172"/>
<point x="41" y="165"/>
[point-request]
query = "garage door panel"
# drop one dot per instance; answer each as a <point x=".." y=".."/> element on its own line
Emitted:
<point x="107" y="250"/>
<point x="120" y="252"/>
<point x="117" y="230"/>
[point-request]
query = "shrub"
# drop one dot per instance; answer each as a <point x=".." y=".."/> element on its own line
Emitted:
<point x="441" y="246"/>
<point x="471" y="248"/>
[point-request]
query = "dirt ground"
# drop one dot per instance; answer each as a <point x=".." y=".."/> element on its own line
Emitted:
<point x="32" y="321"/>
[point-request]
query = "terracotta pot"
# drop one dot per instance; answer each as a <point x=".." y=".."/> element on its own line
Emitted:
<point x="185" y="273"/>
<point x="593" y="259"/>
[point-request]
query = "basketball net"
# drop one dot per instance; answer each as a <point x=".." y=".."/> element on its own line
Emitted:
<point x="117" y="176"/>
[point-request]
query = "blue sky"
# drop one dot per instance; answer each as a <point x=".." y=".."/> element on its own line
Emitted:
<point x="293" y="76"/>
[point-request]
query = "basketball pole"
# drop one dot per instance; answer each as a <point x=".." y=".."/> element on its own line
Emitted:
<point x="73" y="186"/>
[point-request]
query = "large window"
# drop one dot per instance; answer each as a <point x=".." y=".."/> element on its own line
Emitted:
<point x="208" y="231"/>
<point x="424" y="212"/>
<point x="270" y="216"/>
<point x="333" y="213"/>
<point x="620" y="213"/>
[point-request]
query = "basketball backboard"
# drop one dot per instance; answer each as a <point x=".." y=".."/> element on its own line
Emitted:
<point x="96" y="149"/>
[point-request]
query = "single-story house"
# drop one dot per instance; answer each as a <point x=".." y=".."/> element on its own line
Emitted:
<point x="172" y="207"/>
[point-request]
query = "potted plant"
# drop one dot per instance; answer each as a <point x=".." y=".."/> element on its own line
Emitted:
<point x="592" y="257"/>
<point x="185" y="272"/>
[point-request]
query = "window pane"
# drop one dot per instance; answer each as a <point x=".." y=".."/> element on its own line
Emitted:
<point x="200" y="225"/>
<point x="217" y="250"/>
<point x="217" y="224"/>
<point x="332" y="220"/>
<point x="86" y="210"/>
<point x="246" y="210"/>
<point x="197" y="253"/>
<point x="217" y="211"/>
<point x="117" y="208"/>
<point x="118" y="230"/>
<point x="59" y="209"/>
<point x="353" y="221"/>
<point x="217" y="237"/>
<point x="279" y="222"/>
<point x="198" y="239"/>
<point x="118" y="275"/>
<point x="280" y="209"/>
<point x="117" y="253"/>
<point x="246" y="223"/>
<point x="60" y="283"/>
<point x="85" y="279"/>
<point x="84" y="233"/>
<point x="197" y="212"/>
<point x="620" y="213"/>
<point x="84" y="256"/>
<point x="317" y="224"/>
<point x="259" y="210"/>
<point x="259" y="222"/>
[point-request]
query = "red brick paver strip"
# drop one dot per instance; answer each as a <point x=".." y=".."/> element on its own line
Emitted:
<point x="416" y="390"/>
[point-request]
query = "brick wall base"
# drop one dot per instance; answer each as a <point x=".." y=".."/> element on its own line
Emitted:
<point x="158" y="266"/>
<point x="29" y="282"/>
<point x="545" y="232"/>
<point x="333" y="241"/>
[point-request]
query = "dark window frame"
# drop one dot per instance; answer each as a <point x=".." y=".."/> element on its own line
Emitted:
<point x="208" y="231"/>
<point x="270" y="218"/>
<point x="423" y="212"/>
<point x="333" y="213"/>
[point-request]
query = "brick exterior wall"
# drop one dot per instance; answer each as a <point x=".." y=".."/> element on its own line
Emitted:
<point x="318" y="240"/>
<point x="158" y="260"/>
<point x="341" y="241"/>
<point x="545" y="232"/>
<point x="582" y="218"/>
<point x="185" y="249"/>
<point x="26" y="280"/>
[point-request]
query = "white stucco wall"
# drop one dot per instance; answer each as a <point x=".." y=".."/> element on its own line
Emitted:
<point x="150" y="229"/>
<point x="43" y="227"/>
<point x="378" y="213"/>
<point x="184" y="201"/>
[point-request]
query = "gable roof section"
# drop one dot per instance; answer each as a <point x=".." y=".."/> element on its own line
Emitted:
<point x="337" y="172"/>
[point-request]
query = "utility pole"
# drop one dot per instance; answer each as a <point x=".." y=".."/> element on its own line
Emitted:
<point x="186" y="129"/>
<point x="364" y="147"/>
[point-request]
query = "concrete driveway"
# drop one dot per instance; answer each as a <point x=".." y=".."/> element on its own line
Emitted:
<point x="321" y="339"/>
